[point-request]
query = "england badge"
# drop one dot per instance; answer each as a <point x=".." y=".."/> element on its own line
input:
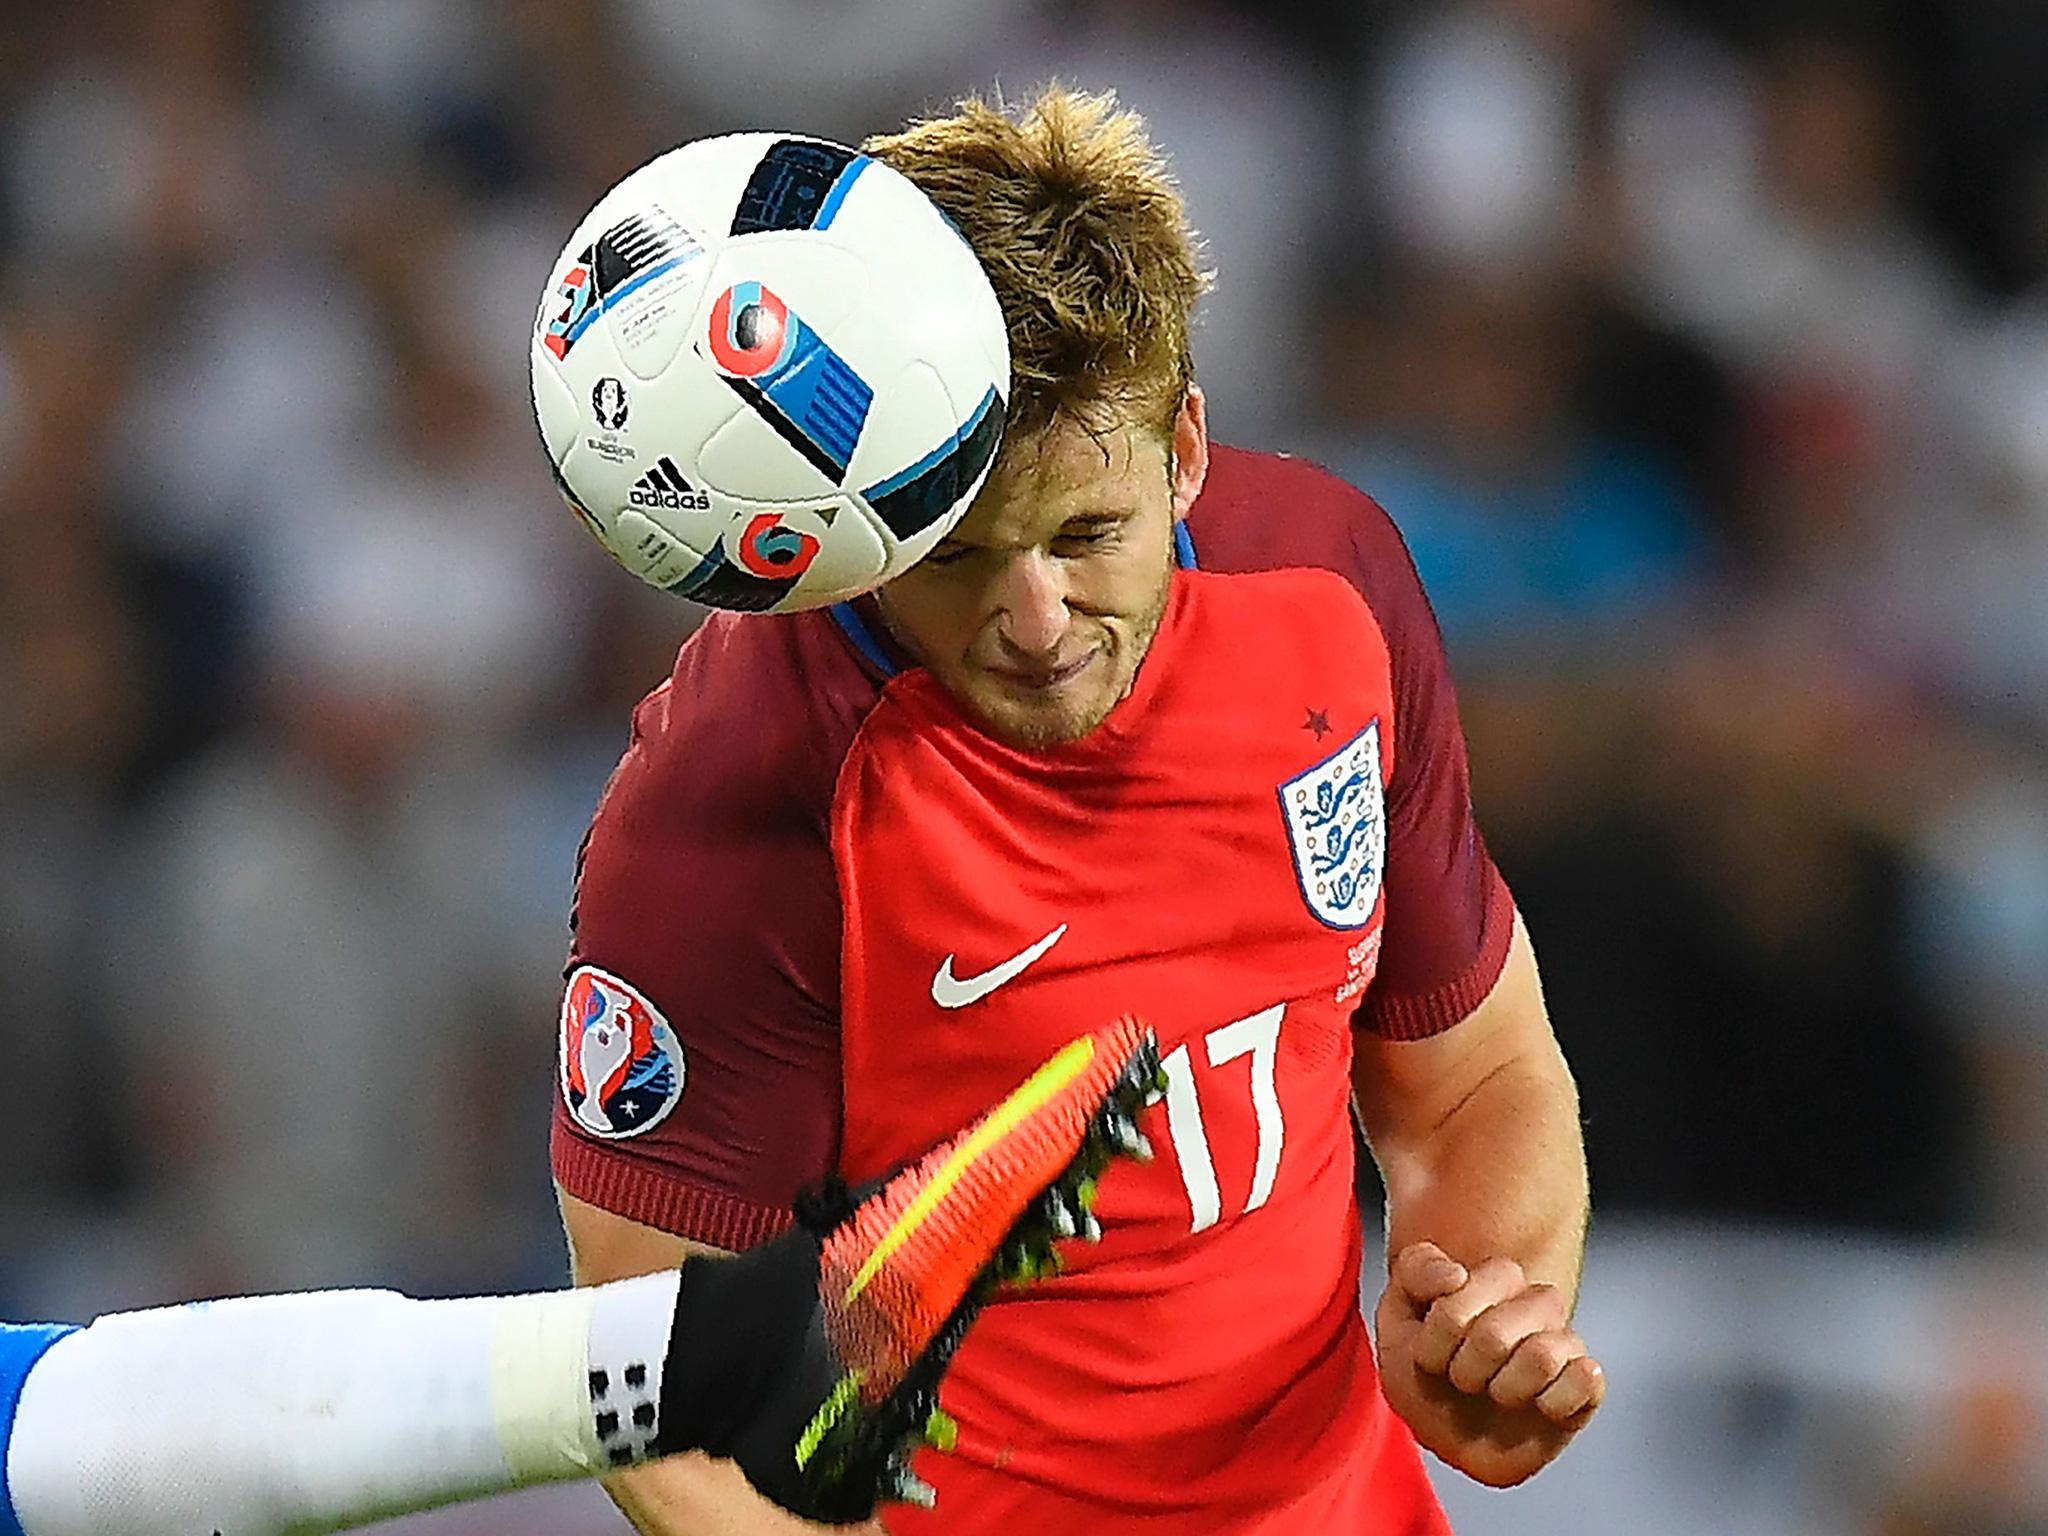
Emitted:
<point x="1337" y="828"/>
<point x="622" y="1066"/>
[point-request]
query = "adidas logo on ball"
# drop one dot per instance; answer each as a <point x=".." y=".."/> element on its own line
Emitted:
<point x="664" y="486"/>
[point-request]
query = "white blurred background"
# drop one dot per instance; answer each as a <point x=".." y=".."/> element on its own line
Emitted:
<point x="1701" y="350"/>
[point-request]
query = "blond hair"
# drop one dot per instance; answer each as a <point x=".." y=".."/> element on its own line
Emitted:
<point x="1086" y="241"/>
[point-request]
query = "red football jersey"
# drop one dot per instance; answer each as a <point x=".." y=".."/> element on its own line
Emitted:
<point x="1210" y="859"/>
<point x="858" y="921"/>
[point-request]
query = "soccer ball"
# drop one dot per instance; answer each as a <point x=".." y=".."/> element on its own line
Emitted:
<point x="768" y="372"/>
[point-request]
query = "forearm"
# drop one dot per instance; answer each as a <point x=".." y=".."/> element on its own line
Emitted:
<point x="680" y="1496"/>
<point x="1503" y="1175"/>
<point x="330" y="1409"/>
<point x="697" y="1495"/>
<point x="1476" y="1131"/>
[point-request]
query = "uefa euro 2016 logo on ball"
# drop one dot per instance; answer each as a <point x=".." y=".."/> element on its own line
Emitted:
<point x="815" y="363"/>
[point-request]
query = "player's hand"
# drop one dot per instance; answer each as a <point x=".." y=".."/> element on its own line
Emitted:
<point x="1483" y="1364"/>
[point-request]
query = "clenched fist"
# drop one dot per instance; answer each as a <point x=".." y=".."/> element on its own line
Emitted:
<point x="1483" y="1364"/>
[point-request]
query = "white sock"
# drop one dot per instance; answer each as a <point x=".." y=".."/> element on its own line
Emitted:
<point x="332" y="1408"/>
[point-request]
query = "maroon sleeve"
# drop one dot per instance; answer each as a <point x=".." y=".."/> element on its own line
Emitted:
<point x="1448" y="912"/>
<point x="706" y="884"/>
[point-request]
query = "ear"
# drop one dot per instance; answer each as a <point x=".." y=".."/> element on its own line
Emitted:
<point x="1188" y="464"/>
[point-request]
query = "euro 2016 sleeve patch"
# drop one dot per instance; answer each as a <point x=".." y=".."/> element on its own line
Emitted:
<point x="622" y="1066"/>
<point x="1337" y="829"/>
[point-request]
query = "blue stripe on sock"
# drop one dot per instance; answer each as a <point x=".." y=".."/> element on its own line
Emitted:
<point x="21" y="1346"/>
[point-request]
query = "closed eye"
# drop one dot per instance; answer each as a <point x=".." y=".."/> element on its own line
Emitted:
<point x="1082" y="541"/>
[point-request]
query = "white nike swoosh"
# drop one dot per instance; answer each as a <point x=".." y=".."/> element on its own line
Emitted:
<point x="950" y="991"/>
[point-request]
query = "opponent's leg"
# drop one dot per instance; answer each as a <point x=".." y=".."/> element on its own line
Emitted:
<point x="812" y="1360"/>
<point x="21" y="1347"/>
<point x="327" y="1409"/>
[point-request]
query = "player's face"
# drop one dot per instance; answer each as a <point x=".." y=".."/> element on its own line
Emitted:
<point x="1037" y="609"/>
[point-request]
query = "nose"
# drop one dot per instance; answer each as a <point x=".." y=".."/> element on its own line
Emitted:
<point x="1031" y="603"/>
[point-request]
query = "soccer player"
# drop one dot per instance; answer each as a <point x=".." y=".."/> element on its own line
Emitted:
<point x="1159" y="727"/>
<point x="812" y="1361"/>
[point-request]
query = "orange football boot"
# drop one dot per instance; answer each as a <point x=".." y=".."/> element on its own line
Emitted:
<point x="902" y="1276"/>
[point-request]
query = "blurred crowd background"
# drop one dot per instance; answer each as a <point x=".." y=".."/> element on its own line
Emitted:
<point x="1701" y="351"/>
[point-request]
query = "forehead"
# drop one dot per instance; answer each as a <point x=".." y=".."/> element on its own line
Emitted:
<point x="1062" y="473"/>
